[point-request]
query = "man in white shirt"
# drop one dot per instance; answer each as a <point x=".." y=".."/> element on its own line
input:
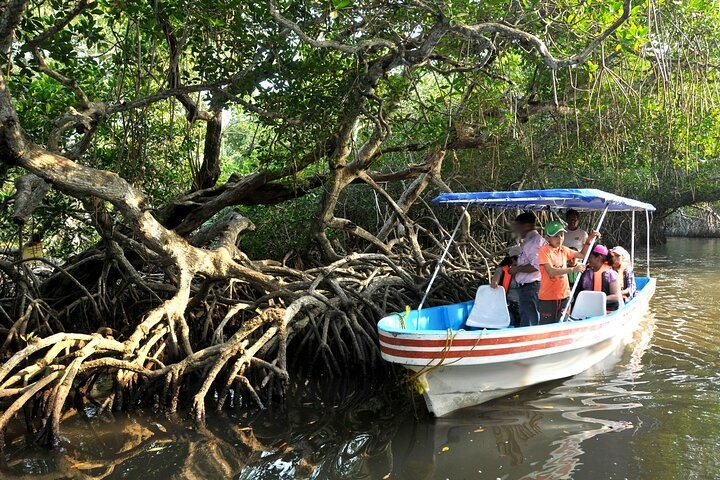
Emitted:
<point x="527" y="269"/>
<point x="575" y="237"/>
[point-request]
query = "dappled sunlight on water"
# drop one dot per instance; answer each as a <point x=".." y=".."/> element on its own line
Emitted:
<point x="651" y="412"/>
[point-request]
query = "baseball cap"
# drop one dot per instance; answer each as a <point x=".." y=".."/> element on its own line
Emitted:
<point x="553" y="228"/>
<point x="600" y="250"/>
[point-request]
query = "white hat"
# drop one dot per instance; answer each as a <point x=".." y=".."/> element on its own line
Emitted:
<point x="621" y="251"/>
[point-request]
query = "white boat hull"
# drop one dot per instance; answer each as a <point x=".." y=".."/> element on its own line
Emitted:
<point x="459" y="369"/>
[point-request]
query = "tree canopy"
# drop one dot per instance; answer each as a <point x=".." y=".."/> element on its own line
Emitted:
<point x="611" y="94"/>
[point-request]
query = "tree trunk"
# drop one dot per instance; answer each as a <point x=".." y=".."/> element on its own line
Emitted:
<point x="209" y="172"/>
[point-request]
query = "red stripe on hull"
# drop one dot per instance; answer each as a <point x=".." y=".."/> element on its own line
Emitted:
<point x="475" y="353"/>
<point x="477" y="342"/>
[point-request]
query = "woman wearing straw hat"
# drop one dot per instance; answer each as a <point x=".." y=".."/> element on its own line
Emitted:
<point x="620" y="262"/>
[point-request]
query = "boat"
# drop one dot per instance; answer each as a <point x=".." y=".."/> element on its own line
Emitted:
<point x="458" y="366"/>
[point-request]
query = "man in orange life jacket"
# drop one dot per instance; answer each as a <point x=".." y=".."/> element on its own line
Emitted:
<point x="503" y="277"/>
<point x="600" y="277"/>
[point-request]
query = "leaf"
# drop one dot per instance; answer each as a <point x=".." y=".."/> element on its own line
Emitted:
<point x="445" y="449"/>
<point x="479" y="429"/>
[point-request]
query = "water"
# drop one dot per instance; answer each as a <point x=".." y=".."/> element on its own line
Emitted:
<point x="654" y="414"/>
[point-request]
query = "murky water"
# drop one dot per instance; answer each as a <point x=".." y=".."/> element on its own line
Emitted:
<point x="654" y="414"/>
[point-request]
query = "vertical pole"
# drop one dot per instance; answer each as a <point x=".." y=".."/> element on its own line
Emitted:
<point x="632" y="244"/>
<point x="442" y="258"/>
<point x="587" y="255"/>
<point x="647" y="261"/>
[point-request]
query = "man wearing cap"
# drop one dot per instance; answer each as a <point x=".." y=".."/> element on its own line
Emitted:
<point x="553" y="259"/>
<point x="527" y="269"/>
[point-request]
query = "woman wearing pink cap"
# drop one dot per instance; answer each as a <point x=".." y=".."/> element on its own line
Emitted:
<point x="600" y="277"/>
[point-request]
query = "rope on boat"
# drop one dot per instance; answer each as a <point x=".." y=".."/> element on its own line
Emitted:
<point x="449" y="338"/>
<point x="403" y="316"/>
<point x="443" y="356"/>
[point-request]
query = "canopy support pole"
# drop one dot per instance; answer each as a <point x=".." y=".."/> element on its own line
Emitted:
<point x="647" y="261"/>
<point x="632" y="240"/>
<point x="442" y="258"/>
<point x="566" y="312"/>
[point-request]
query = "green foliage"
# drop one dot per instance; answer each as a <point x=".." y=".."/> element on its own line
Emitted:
<point x="641" y="116"/>
<point x="280" y="230"/>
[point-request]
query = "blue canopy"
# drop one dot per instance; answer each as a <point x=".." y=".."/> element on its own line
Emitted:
<point x="577" y="198"/>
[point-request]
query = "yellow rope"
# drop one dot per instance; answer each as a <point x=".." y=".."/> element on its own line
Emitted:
<point x="450" y="337"/>
<point x="403" y="316"/>
<point x="443" y="356"/>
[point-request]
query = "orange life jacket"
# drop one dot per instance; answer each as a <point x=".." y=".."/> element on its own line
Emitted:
<point x="599" y="282"/>
<point x="506" y="278"/>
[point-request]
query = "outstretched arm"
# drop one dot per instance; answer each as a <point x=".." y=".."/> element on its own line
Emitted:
<point x="558" y="272"/>
<point x="495" y="280"/>
<point x="581" y="254"/>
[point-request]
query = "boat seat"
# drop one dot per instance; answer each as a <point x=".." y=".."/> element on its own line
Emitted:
<point x="490" y="309"/>
<point x="589" y="304"/>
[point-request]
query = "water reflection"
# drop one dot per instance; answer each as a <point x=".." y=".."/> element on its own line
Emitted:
<point x="654" y="414"/>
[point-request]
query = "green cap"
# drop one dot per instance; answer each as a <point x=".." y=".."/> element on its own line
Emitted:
<point x="553" y="228"/>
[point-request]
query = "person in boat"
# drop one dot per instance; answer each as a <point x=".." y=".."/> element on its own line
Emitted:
<point x="527" y="270"/>
<point x="575" y="237"/>
<point x="620" y="261"/>
<point x="554" y="259"/>
<point x="503" y="277"/>
<point x="600" y="277"/>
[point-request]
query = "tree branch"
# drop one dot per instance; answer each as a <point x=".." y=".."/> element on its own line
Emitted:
<point x="478" y="30"/>
<point x="330" y="44"/>
<point x="37" y="41"/>
<point x="70" y="83"/>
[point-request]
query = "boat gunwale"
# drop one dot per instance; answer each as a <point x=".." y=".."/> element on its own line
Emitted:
<point x="512" y="331"/>
<point x="413" y="360"/>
